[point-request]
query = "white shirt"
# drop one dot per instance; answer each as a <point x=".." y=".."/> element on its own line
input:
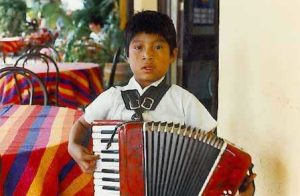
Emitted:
<point x="177" y="106"/>
<point x="98" y="37"/>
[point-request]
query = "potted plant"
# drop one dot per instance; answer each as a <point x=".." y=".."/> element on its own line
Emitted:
<point x="12" y="17"/>
<point x="76" y="45"/>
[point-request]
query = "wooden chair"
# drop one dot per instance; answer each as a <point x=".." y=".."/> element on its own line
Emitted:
<point x="30" y="77"/>
<point x="44" y="59"/>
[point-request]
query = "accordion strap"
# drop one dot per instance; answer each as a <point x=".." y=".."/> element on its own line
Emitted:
<point x="148" y="101"/>
<point x="243" y="187"/>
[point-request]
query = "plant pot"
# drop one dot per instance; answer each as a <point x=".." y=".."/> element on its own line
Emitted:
<point x="122" y="75"/>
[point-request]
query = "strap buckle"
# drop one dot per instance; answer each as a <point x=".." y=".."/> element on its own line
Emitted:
<point x="147" y="103"/>
<point x="134" y="105"/>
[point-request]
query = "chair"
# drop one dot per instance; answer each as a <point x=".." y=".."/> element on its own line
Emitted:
<point x="31" y="80"/>
<point x="48" y="61"/>
<point x="39" y="49"/>
<point x="114" y="67"/>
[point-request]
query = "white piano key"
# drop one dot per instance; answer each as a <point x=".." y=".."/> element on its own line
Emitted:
<point x="106" y="165"/>
<point x="100" y="182"/>
<point x="105" y="127"/>
<point x="114" y="146"/>
<point x="102" y="192"/>
<point x="99" y="168"/>
<point x="97" y="141"/>
<point x="109" y="156"/>
<point x="105" y="175"/>
<point x="97" y="135"/>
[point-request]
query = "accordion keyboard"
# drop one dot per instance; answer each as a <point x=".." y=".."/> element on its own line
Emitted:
<point x="106" y="175"/>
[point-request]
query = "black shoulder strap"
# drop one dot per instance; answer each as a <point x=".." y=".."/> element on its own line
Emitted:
<point x="148" y="101"/>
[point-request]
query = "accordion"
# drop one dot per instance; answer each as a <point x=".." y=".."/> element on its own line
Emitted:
<point x="155" y="158"/>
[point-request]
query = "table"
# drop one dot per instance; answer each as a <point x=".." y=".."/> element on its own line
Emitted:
<point x="34" y="153"/>
<point x="11" y="45"/>
<point x="80" y="83"/>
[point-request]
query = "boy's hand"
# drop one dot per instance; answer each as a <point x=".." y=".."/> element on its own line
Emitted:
<point x="247" y="188"/>
<point x="84" y="158"/>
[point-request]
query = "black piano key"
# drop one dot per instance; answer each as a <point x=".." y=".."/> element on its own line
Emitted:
<point x="110" y="151"/>
<point x="106" y="140"/>
<point x="109" y="132"/>
<point x="111" y="179"/>
<point x="113" y="171"/>
<point x="111" y="188"/>
<point x="109" y="160"/>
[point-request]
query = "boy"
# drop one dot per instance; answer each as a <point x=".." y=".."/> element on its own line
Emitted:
<point x="150" y="46"/>
<point x="96" y="26"/>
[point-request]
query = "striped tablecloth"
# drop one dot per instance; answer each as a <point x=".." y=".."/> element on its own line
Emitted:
<point x="34" y="155"/>
<point x="11" y="44"/>
<point x="80" y="83"/>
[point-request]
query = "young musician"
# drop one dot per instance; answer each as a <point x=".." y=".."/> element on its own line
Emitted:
<point x="150" y="46"/>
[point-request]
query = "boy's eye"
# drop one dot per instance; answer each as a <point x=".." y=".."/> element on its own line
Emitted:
<point x="137" y="47"/>
<point x="158" y="47"/>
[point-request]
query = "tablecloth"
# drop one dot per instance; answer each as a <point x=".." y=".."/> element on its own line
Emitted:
<point x="34" y="155"/>
<point x="80" y="83"/>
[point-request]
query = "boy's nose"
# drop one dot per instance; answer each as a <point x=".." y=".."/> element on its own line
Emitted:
<point x="148" y="54"/>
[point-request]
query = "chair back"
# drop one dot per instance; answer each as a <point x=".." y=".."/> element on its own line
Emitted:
<point x="38" y="48"/>
<point x="23" y="60"/>
<point x="114" y="67"/>
<point x="31" y="79"/>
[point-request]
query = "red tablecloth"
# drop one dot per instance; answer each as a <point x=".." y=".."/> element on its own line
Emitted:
<point x="11" y="44"/>
<point x="34" y="153"/>
<point x="79" y="84"/>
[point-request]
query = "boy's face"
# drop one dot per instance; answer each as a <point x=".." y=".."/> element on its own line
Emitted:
<point x="95" y="27"/>
<point x="149" y="58"/>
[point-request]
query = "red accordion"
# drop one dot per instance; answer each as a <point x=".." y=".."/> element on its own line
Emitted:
<point x="155" y="158"/>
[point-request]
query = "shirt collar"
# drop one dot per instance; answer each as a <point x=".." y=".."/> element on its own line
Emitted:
<point x="133" y="84"/>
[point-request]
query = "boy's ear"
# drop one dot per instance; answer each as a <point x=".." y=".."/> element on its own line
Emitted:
<point x="174" y="54"/>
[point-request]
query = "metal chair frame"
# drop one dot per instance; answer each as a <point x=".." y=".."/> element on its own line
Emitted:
<point x="114" y="67"/>
<point x="38" y="48"/>
<point x="46" y="59"/>
<point x="28" y="75"/>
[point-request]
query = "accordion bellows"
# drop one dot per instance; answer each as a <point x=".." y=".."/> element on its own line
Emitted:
<point x="155" y="158"/>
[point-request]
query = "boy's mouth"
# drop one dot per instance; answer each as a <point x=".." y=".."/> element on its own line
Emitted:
<point x="147" y="68"/>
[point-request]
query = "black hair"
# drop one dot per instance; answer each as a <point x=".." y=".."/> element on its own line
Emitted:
<point x="150" y="22"/>
<point x="96" y="20"/>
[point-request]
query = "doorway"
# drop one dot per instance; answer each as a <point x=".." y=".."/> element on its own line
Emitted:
<point x="197" y="69"/>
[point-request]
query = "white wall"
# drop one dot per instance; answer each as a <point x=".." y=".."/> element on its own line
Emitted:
<point x="259" y="88"/>
<point x="140" y="5"/>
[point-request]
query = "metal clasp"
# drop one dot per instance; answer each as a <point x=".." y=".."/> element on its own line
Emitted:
<point x="134" y="105"/>
<point x="147" y="101"/>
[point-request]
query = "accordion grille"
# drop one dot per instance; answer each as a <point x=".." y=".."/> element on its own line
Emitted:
<point x="178" y="159"/>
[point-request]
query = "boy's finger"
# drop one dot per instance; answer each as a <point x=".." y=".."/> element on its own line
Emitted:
<point x="89" y="157"/>
<point x="251" y="178"/>
<point x="84" y="166"/>
<point x="247" y="181"/>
